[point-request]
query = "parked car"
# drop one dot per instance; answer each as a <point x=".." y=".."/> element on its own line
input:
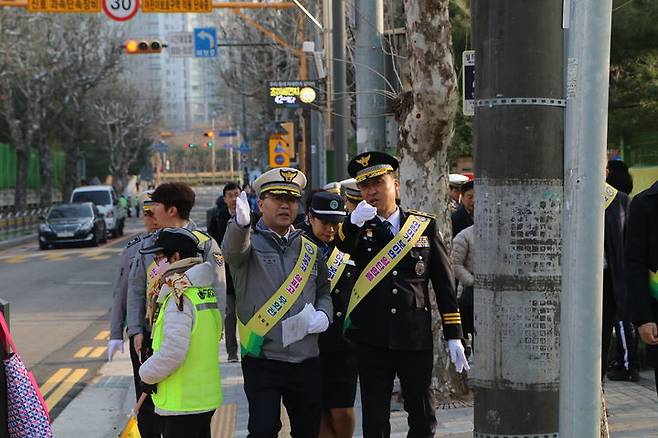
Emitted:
<point x="72" y="223"/>
<point x="107" y="201"/>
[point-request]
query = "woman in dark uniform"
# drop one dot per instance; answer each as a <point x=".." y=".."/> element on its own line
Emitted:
<point x="325" y="211"/>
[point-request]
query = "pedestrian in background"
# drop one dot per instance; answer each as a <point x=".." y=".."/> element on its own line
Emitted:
<point x="280" y="279"/>
<point x="217" y="228"/>
<point x="642" y="270"/>
<point x="616" y="213"/>
<point x="182" y="375"/>
<point x="455" y="180"/>
<point x="397" y="253"/>
<point x="463" y="216"/>
<point x="146" y="416"/>
<point x="352" y="194"/>
<point x="463" y="249"/>
<point x="325" y="212"/>
<point x="618" y="176"/>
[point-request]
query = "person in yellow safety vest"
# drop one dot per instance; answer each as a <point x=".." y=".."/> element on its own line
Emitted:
<point x="183" y="374"/>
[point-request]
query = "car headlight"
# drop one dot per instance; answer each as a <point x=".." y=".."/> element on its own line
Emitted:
<point x="45" y="228"/>
<point x="87" y="226"/>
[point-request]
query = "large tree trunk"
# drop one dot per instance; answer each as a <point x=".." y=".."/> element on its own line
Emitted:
<point x="21" y="140"/>
<point x="45" y="169"/>
<point x="426" y="114"/>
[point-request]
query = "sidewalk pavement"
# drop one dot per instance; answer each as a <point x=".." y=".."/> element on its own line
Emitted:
<point x="101" y="409"/>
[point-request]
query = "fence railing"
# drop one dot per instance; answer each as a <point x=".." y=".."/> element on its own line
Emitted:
<point x="15" y="223"/>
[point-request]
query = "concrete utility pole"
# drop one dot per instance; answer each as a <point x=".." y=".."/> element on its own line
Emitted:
<point x="519" y="136"/>
<point x="370" y="80"/>
<point x="588" y="68"/>
<point x="341" y="99"/>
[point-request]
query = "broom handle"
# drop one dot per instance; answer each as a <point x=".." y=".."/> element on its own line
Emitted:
<point x="138" y="405"/>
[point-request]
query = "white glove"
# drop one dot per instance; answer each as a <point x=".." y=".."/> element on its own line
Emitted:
<point x="362" y="213"/>
<point x="114" y="345"/>
<point x="319" y="323"/>
<point x="242" y="211"/>
<point x="457" y="355"/>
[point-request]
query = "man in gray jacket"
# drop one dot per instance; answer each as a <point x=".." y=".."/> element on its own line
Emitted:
<point x="283" y="303"/>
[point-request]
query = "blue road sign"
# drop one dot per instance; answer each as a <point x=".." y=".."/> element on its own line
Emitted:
<point x="205" y="42"/>
<point x="244" y="148"/>
<point x="228" y="133"/>
<point x="161" y="147"/>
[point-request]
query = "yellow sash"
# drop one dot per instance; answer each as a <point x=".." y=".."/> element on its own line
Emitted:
<point x="336" y="265"/>
<point x="252" y="334"/>
<point x="385" y="260"/>
<point x="609" y="194"/>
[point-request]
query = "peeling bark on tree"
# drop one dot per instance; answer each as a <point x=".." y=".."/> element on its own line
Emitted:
<point x="426" y="114"/>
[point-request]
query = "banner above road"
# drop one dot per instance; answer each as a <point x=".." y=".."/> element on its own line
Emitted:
<point x="70" y="6"/>
<point x="177" y="6"/>
<point x="292" y="94"/>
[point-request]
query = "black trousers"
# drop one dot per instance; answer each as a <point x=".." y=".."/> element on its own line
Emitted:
<point x="147" y="421"/>
<point x="230" y="326"/>
<point x="627" y="338"/>
<point x="377" y="370"/>
<point x="186" y="426"/>
<point x="266" y="382"/>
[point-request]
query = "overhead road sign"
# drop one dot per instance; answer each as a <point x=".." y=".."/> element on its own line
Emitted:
<point x="228" y="133"/>
<point x="193" y="6"/>
<point x="468" y="82"/>
<point x="180" y="44"/>
<point x="205" y="42"/>
<point x="78" y="6"/>
<point x="292" y="94"/>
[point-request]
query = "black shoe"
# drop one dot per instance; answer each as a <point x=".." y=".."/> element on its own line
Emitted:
<point x="624" y="375"/>
<point x="634" y="375"/>
<point x="232" y="358"/>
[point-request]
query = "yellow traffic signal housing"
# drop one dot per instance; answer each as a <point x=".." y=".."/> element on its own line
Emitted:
<point x="143" y="47"/>
<point x="210" y="134"/>
<point x="278" y="148"/>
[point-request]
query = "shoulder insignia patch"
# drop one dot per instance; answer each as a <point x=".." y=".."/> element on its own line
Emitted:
<point x="421" y="213"/>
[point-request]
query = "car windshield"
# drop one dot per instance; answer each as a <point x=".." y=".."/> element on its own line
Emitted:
<point x="69" y="211"/>
<point x="100" y="197"/>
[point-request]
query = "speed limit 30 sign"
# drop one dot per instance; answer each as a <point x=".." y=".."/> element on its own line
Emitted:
<point x="120" y="10"/>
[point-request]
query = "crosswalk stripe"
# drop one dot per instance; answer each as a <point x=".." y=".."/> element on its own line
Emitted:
<point x="54" y="380"/>
<point x="83" y="352"/>
<point x="98" y="352"/>
<point x="65" y="387"/>
<point x="104" y="335"/>
<point x="223" y="422"/>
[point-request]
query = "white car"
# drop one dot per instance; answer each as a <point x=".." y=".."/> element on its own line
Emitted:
<point x="107" y="201"/>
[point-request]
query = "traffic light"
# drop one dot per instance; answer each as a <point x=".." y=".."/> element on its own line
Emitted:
<point x="210" y="134"/>
<point x="210" y="144"/>
<point x="186" y="146"/>
<point x="143" y="47"/>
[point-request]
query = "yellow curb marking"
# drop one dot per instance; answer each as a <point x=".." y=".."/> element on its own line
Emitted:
<point x="56" y="257"/>
<point x="99" y="257"/>
<point x="103" y="335"/>
<point x="65" y="387"/>
<point x="54" y="380"/>
<point x="83" y="352"/>
<point x="98" y="352"/>
<point x="15" y="259"/>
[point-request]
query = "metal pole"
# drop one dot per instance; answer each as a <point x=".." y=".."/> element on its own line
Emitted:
<point x="585" y="140"/>
<point x="327" y="143"/>
<point x="519" y="136"/>
<point x="370" y="81"/>
<point x="212" y="154"/>
<point x="340" y="98"/>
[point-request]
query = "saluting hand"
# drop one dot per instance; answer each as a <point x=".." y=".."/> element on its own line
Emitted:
<point x="363" y="213"/>
<point x="242" y="211"/>
<point x="457" y="355"/>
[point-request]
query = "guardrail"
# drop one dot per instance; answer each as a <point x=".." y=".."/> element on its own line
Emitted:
<point x="15" y="223"/>
<point x="202" y="178"/>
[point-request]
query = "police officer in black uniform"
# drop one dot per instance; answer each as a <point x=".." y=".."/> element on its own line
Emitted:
<point x="391" y="325"/>
<point x="325" y="211"/>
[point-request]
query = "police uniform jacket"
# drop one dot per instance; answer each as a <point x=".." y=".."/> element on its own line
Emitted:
<point x="616" y="216"/>
<point x="139" y="273"/>
<point x="260" y="262"/>
<point x="396" y="313"/>
<point x="333" y="340"/>
<point x="120" y="291"/>
<point x="641" y="256"/>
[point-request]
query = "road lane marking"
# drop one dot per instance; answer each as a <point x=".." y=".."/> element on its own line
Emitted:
<point x="104" y="335"/>
<point x="98" y="352"/>
<point x="54" y="380"/>
<point x="83" y="352"/>
<point x="57" y="257"/>
<point x="65" y="387"/>
<point x="15" y="259"/>
<point x="99" y="257"/>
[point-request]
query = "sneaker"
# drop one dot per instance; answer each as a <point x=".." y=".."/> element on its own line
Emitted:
<point x="232" y="358"/>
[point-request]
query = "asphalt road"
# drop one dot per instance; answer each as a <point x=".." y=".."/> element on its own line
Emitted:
<point x="60" y="302"/>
